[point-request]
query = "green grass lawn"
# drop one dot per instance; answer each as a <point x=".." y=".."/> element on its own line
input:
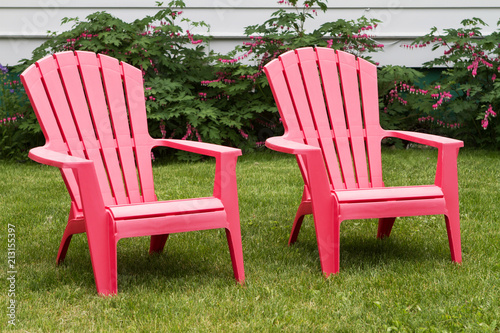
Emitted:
<point x="404" y="283"/>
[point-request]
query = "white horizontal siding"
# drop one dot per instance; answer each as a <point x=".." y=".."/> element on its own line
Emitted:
<point x="247" y="4"/>
<point x="24" y="23"/>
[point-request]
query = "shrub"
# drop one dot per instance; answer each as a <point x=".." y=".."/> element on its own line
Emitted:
<point x="192" y="94"/>
<point x="173" y="62"/>
<point x="396" y="85"/>
<point x="238" y="84"/>
<point x="225" y="99"/>
<point x="14" y="105"/>
<point x="468" y="85"/>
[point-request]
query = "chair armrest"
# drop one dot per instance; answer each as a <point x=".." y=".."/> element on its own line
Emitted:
<point x="208" y="149"/>
<point x="316" y="174"/>
<point x="225" y="187"/>
<point x="284" y="145"/>
<point x="53" y="158"/>
<point x="446" y="168"/>
<point x="86" y="177"/>
<point x="425" y="139"/>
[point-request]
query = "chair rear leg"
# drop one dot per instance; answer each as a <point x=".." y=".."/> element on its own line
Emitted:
<point x="305" y="208"/>
<point x="453" y="229"/>
<point x="157" y="243"/>
<point x="73" y="227"/>
<point x="385" y="227"/>
<point x="297" y="223"/>
<point x="63" y="248"/>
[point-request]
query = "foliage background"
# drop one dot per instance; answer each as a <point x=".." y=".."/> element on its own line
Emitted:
<point x="193" y="93"/>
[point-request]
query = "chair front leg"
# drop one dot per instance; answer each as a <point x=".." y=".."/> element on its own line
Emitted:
<point x="326" y="214"/>
<point x="99" y="225"/>
<point x="102" y="246"/>
<point x="328" y="238"/>
<point x="225" y="188"/>
<point x="447" y="179"/>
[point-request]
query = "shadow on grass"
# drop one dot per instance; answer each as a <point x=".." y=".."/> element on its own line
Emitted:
<point x="365" y="252"/>
<point x="182" y="264"/>
<point x="201" y="259"/>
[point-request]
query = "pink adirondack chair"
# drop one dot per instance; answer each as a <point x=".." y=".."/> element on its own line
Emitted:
<point x="328" y="103"/>
<point x="92" y="112"/>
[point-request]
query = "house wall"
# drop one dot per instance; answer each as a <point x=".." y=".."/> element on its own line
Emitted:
<point x="24" y="23"/>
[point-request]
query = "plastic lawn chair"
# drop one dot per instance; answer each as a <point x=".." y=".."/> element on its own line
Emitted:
<point x="92" y="112"/>
<point x="328" y="102"/>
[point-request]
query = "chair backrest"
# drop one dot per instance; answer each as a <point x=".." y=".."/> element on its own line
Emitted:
<point x="91" y="106"/>
<point x="329" y="99"/>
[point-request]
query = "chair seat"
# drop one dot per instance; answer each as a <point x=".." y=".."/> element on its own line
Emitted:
<point x="389" y="193"/>
<point x="165" y="208"/>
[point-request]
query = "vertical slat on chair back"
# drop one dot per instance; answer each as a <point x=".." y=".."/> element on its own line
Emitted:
<point x="134" y="91"/>
<point x="32" y="81"/>
<point x="322" y="105"/>
<point x="373" y="131"/>
<point x="82" y="97"/>
<point x="308" y="98"/>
